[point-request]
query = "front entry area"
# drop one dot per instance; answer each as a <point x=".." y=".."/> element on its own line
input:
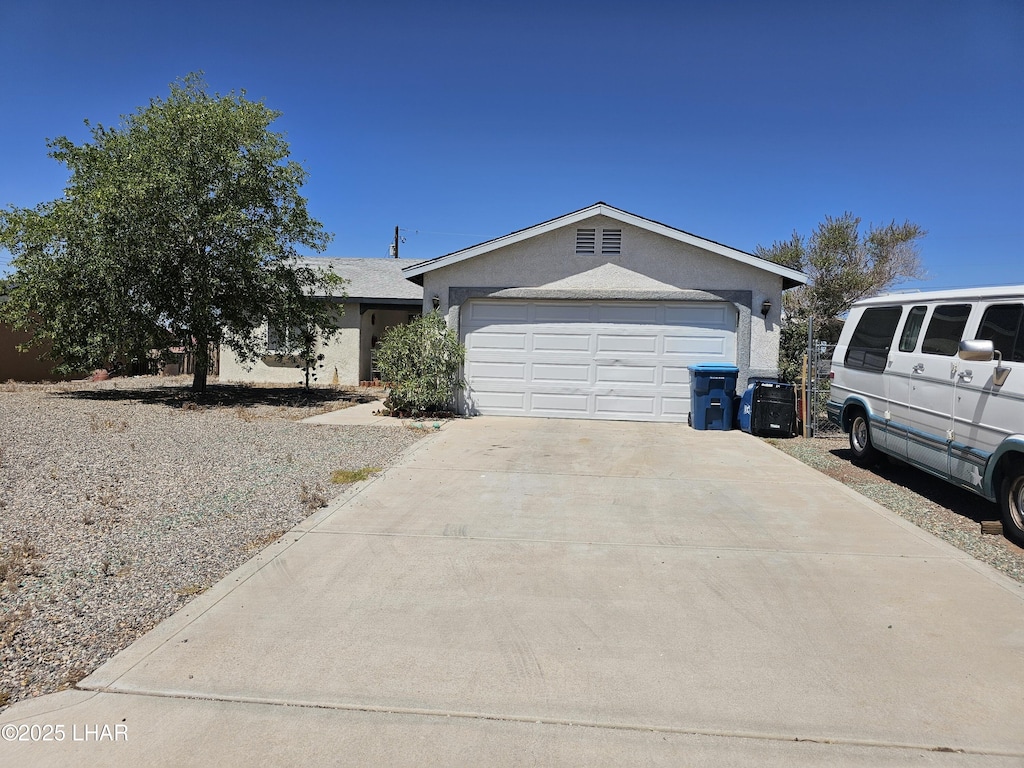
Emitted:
<point x="617" y="360"/>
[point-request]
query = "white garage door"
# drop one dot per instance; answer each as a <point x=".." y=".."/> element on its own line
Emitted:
<point x="591" y="360"/>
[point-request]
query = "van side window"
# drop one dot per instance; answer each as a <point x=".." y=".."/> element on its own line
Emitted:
<point x="872" y="338"/>
<point x="912" y="329"/>
<point x="945" y="329"/>
<point x="1002" y="325"/>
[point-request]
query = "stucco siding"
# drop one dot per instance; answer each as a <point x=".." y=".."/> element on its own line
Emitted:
<point x="650" y="267"/>
<point x="341" y="353"/>
<point x="24" y="366"/>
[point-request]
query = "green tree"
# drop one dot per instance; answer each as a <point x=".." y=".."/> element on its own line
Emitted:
<point x="178" y="227"/>
<point x="844" y="266"/>
<point x="420" y="361"/>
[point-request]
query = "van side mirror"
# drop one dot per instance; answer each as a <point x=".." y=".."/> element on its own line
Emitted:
<point x="979" y="350"/>
<point x="983" y="350"/>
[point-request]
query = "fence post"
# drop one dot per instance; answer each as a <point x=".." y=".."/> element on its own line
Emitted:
<point x="808" y="373"/>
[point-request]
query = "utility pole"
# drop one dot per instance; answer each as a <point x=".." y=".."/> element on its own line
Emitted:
<point x="396" y="241"/>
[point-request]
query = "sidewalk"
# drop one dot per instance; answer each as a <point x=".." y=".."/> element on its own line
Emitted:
<point x="368" y="414"/>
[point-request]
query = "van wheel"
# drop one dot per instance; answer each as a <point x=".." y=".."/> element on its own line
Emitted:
<point x="864" y="453"/>
<point x="1011" y="503"/>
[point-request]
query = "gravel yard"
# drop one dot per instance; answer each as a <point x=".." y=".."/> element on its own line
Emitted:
<point x="122" y="500"/>
<point x="952" y="514"/>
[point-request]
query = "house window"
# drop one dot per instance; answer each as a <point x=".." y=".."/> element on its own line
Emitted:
<point x="611" y="241"/>
<point x="284" y="341"/>
<point x="586" y="240"/>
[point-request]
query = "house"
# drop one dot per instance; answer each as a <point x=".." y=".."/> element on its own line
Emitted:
<point x="598" y="314"/>
<point x="377" y="296"/>
<point x="24" y="366"/>
<point x="31" y="366"/>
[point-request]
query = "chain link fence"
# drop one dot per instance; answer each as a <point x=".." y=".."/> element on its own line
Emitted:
<point x="819" y="365"/>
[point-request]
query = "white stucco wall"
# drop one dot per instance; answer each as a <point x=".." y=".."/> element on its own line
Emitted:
<point x="650" y="267"/>
<point x="341" y="353"/>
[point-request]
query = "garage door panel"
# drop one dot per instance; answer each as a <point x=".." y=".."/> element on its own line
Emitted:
<point x="560" y="372"/>
<point x="704" y="347"/>
<point x="561" y="342"/>
<point x="630" y="374"/>
<point x="493" y="401"/>
<point x="696" y="345"/>
<point x="498" y="311"/>
<point x="605" y="360"/>
<point x="701" y="315"/>
<point x="552" y="403"/>
<point x="643" y="344"/>
<point x="675" y="376"/>
<point x="675" y="406"/>
<point x="642" y="314"/>
<point x="615" y="405"/>
<point x="562" y="313"/>
<point x="495" y="371"/>
<point x="500" y="341"/>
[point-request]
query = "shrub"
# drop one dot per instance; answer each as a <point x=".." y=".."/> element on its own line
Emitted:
<point x="421" y="363"/>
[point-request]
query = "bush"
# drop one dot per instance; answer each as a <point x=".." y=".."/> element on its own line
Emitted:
<point x="421" y="362"/>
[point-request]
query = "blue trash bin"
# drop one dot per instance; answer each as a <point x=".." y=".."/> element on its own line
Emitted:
<point x="712" y="394"/>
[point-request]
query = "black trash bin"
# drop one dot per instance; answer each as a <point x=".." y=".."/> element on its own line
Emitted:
<point x="768" y="408"/>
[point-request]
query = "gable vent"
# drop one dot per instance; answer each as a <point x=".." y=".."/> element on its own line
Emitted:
<point x="586" y="240"/>
<point x="611" y="241"/>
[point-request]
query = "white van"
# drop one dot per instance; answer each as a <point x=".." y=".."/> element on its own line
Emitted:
<point x="937" y="380"/>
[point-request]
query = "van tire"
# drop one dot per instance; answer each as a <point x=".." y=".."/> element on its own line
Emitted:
<point x="864" y="452"/>
<point x="1011" y="502"/>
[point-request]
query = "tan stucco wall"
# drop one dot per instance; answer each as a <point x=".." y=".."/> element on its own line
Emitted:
<point x="341" y="353"/>
<point x="24" y="366"/>
<point x="650" y="267"/>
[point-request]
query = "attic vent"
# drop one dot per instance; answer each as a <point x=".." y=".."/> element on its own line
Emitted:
<point x="611" y="241"/>
<point x="586" y="240"/>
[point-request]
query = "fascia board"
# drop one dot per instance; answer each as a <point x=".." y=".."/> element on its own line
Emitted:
<point x="706" y="245"/>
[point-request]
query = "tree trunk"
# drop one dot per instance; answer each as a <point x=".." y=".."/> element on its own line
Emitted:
<point x="202" y="366"/>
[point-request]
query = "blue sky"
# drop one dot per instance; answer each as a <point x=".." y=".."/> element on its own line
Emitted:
<point x="461" y="121"/>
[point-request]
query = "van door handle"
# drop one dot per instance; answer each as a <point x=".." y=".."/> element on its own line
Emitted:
<point x="919" y="368"/>
<point x="966" y="376"/>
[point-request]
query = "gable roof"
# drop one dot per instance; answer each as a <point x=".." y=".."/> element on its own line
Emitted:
<point x="372" y="279"/>
<point x="790" y="277"/>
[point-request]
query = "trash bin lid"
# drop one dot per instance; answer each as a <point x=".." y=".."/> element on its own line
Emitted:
<point x="714" y="368"/>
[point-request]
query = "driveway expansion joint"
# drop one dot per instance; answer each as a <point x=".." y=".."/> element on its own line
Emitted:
<point x="563" y="722"/>
<point x="640" y="545"/>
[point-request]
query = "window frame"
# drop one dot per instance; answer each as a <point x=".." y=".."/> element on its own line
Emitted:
<point x="286" y="345"/>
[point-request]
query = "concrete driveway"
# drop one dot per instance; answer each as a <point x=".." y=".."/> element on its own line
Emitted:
<point x="541" y="592"/>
